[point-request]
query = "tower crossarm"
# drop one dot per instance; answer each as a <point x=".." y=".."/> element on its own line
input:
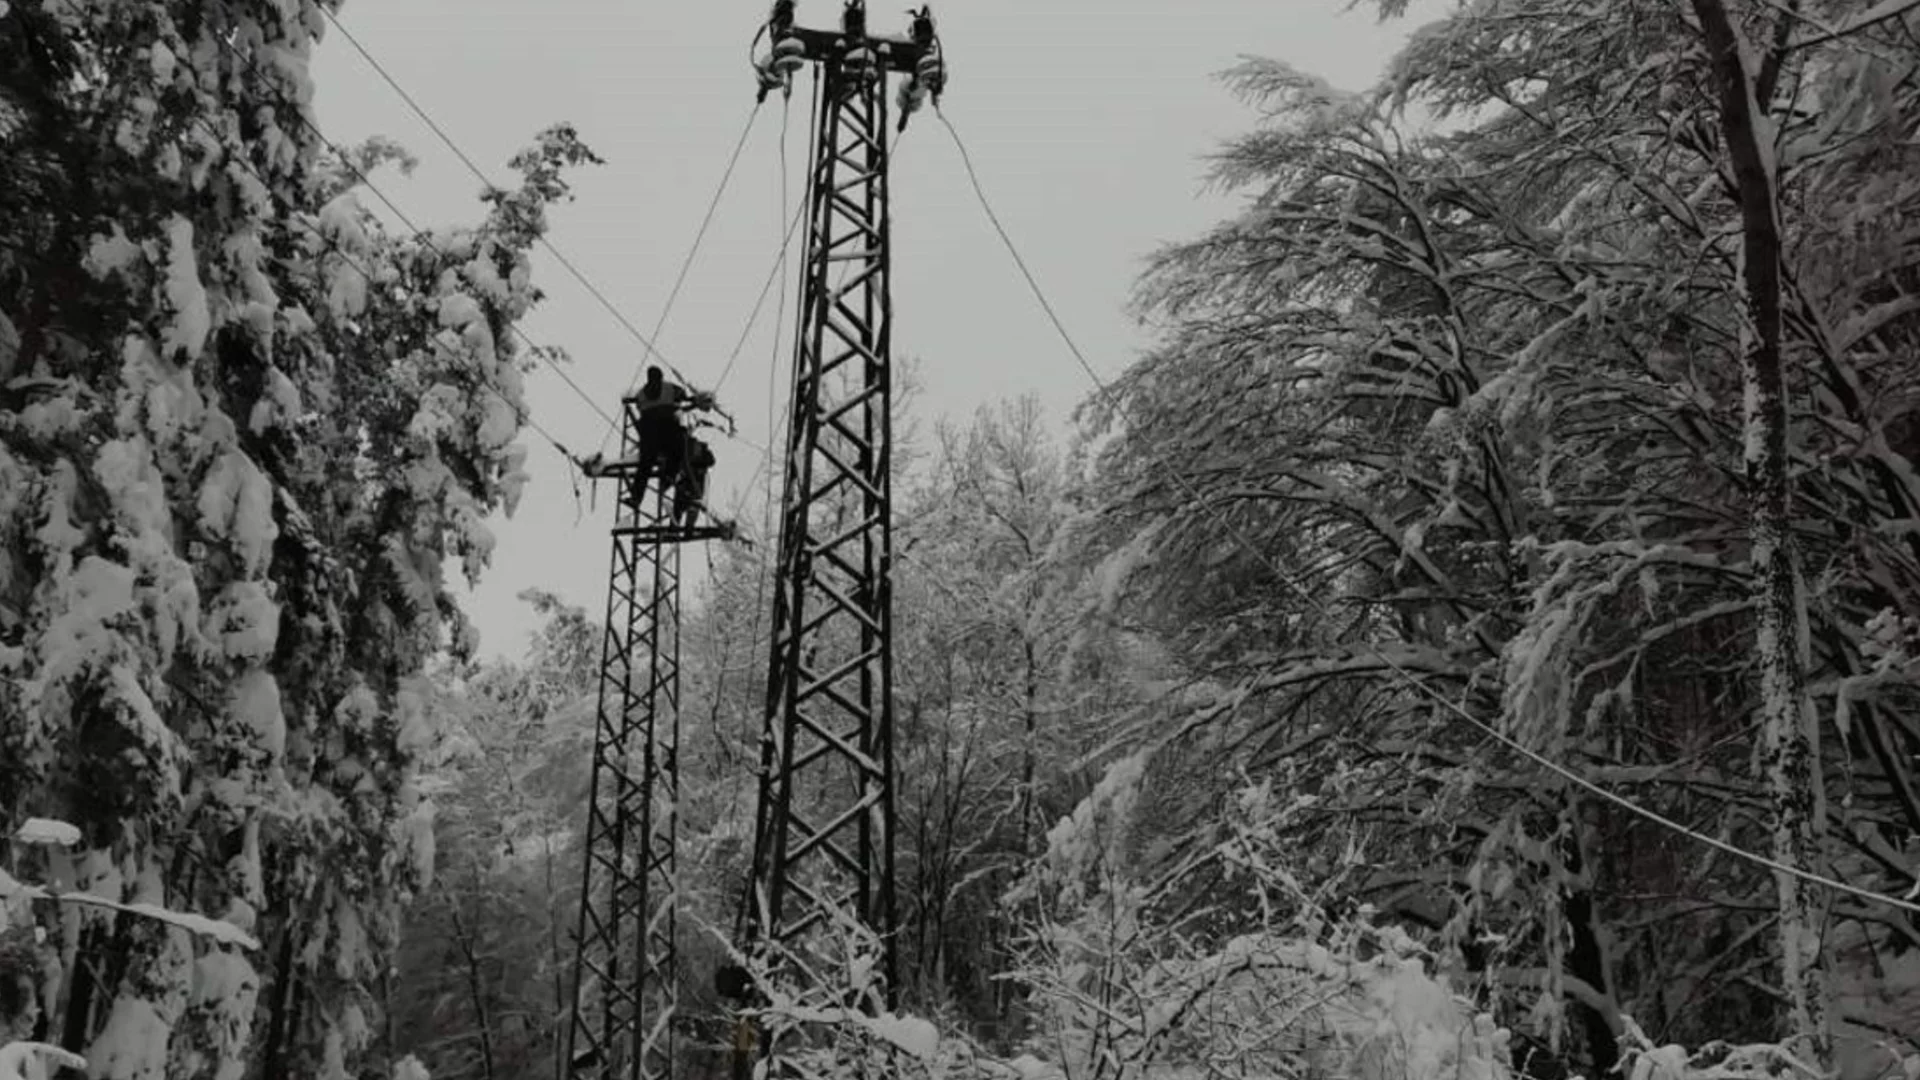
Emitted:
<point x="893" y="54"/>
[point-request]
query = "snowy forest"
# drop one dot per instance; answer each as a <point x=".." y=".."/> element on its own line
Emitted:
<point x="1478" y="638"/>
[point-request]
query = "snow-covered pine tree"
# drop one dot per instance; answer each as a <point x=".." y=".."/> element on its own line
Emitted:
<point x="243" y="428"/>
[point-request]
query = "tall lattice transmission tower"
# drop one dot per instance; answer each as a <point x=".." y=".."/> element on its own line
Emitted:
<point x="819" y="916"/>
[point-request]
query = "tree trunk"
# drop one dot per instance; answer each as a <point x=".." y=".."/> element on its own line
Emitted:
<point x="82" y="990"/>
<point x="476" y="987"/>
<point x="1030" y="730"/>
<point x="1011" y="991"/>
<point x="278" y="981"/>
<point x="1587" y="958"/>
<point x="1791" y="758"/>
<point x="557" y="1027"/>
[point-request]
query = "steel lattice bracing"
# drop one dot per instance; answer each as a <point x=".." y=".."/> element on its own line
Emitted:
<point x="823" y="861"/>
<point x="625" y="985"/>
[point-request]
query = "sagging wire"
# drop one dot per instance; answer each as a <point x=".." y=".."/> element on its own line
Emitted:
<point x="779" y="274"/>
<point x="686" y="264"/>
<point x="566" y="263"/>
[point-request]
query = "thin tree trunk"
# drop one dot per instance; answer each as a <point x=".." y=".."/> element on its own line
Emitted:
<point x="386" y="1014"/>
<point x="1010" y="991"/>
<point x="1587" y="958"/>
<point x="1791" y="757"/>
<point x="1031" y="731"/>
<point x="274" y="1056"/>
<point x="82" y="990"/>
<point x="476" y="987"/>
<point x="561" y="1006"/>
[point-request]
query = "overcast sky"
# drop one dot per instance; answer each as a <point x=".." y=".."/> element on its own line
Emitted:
<point x="1088" y="121"/>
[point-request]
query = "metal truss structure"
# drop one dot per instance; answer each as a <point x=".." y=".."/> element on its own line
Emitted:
<point x="821" y="909"/>
<point x="819" y="916"/>
<point x="625" y="980"/>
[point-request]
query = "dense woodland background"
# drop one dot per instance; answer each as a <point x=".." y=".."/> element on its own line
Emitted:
<point x="1557" y="399"/>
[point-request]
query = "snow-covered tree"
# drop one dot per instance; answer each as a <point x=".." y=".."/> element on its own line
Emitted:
<point x="1478" y="421"/>
<point x="244" y="429"/>
<point x="1129" y="982"/>
<point x="984" y="708"/>
<point x="481" y="979"/>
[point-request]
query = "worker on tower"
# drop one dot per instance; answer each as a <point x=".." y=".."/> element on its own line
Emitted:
<point x="662" y="439"/>
<point x="690" y="493"/>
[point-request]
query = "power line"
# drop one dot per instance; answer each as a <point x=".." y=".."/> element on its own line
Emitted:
<point x="574" y="271"/>
<point x="521" y="414"/>
<point x="773" y="274"/>
<point x="775" y="416"/>
<point x="406" y="97"/>
<point x="1391" y="664"/>
<point x="979" y="192"/>
<point x="776" y="272"/>
<point x="542" y="354"/>
<point x="686" y="264"/>
<point x="699" y="235"/>
<point x="764" y="571"/>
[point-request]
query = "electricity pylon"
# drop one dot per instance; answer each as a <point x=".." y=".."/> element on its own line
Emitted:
<point x="625" y="982"/>
<point x="819" y="917"/>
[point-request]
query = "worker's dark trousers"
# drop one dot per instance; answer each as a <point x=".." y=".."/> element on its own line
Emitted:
<point x="662" y="446"/>
<point x="688" y="494"/>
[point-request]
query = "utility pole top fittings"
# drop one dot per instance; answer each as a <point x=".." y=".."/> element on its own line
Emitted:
<point x="858" y="53"/>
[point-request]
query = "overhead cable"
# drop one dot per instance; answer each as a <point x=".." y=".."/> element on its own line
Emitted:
<point x="648" y="342"/>
<point x="521" y="414"/>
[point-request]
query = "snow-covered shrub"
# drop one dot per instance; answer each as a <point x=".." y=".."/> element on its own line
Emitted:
<point x="816" y="1002"/>
<point x="1647" y="1060"/>
<point x="1126" y="983"/>
<point x="1856" y="1059"/>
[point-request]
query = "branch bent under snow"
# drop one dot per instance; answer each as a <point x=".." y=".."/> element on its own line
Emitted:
<point x="219" y="930"/>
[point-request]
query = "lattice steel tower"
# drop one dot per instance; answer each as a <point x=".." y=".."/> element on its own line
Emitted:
<point x="823" y="855"/>
<point x="625" y="989"/>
